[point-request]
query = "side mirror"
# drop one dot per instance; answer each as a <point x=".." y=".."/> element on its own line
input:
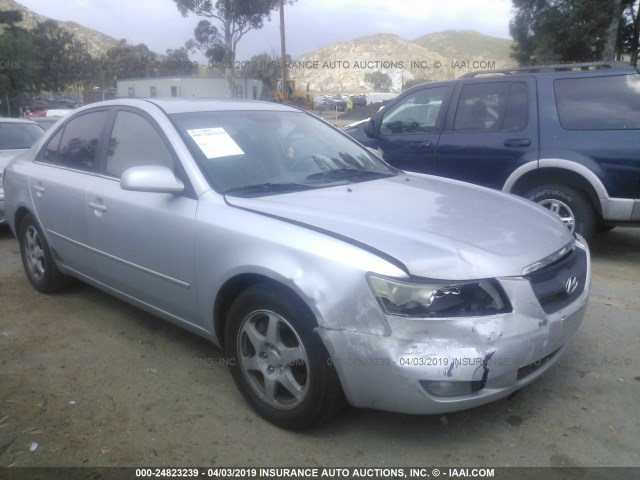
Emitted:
<point x="150" y="178"/>
<point x="370" y="129"/>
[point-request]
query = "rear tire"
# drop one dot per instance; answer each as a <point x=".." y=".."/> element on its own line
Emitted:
<point x="41" y="270"/>
<point x="278" y="361"/>
<point x="571" y="205"/>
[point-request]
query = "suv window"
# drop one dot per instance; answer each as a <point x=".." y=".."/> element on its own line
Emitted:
<point x="77" y="145"/>
<point x="134" y="143"/>
<point x="493" y="106"/>
<point x="417" y="113"/>
<point x="599" y="103"/>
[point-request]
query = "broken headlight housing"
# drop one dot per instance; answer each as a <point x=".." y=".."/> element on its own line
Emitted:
<point x="438" y="299"/>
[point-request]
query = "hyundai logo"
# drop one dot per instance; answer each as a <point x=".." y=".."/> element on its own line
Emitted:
<point x="571" y="285"/>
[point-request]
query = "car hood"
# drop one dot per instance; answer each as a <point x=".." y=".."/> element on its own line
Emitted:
<point x="437" y="228"/>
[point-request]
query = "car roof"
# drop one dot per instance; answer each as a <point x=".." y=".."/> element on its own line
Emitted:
<point x="189" y="105"/>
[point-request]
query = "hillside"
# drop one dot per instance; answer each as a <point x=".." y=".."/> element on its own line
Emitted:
<point x="341" y="67"/>
<point x="97" y="43"/>
<point x="466" y="44"/>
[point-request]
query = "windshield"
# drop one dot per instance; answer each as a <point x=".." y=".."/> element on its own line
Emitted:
<point x="14" y="136"/>
<point x="256" y="153"/>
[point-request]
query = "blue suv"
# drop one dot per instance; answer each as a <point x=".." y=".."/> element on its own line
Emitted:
<point x="567" y="137"/>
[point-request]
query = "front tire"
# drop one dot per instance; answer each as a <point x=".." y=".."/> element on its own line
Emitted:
<point x="41" y="270"/>
<point x="571" y="205"/>
<point x="278" y="361"/>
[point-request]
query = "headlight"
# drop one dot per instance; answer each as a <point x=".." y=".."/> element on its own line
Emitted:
<point x="439" y="299"/>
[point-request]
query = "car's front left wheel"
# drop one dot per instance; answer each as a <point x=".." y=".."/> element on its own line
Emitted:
<point x="278" y="360"/>
<point x="41" y="270"/>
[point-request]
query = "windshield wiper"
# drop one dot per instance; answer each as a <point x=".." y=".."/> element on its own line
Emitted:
<point x="267" y="188"/>
<point x="348" y="174"/>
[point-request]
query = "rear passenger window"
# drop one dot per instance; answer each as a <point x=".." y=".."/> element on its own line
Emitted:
<point x="134" y="143"/>
<point x="599" y="103"/>
<point x="496" y="106"/>
<point x="76" y="146"/>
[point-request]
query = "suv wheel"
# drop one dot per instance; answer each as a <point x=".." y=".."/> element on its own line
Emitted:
<point x="277" y="359"/>
<point x="571" y="205"/>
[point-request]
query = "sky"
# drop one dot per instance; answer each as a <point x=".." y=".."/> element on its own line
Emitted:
<point x="310" y="24"/>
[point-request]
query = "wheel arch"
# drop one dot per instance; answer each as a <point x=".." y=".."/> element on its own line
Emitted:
<point x="21" y="212"/>
<point x="559" y="171"/>
<point x="231" y="289"/>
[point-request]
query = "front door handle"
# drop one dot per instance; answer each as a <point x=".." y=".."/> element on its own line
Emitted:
<point x="517" y="142"/>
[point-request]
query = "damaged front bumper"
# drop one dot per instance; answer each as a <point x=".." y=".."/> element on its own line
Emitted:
<point x="429" y="366"/>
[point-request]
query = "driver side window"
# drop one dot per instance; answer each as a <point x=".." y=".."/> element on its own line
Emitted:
<point x="417" y="113"/>
<point x="133" y="143"/>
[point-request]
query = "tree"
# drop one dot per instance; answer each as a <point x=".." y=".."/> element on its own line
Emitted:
<point x="18" y="62"/>
<point x="267" y="68"/>
<point x="233" y="19"/>
<point x="629" y="36"/>
<point x="176" y="62"/>
<point x="551" y="31"/>
<point x="127" y="61"/>
<point x="380" y="81"/>
<point x="62" y="58"/>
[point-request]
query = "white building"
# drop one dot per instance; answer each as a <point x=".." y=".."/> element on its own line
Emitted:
<point x="188" y="86"/>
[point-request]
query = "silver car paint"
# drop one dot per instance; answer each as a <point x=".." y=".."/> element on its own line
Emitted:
<point x="437" y="228"/>
<point x="318" y="244"/>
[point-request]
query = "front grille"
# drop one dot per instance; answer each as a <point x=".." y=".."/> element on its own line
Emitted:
<point x="550" y="283"/>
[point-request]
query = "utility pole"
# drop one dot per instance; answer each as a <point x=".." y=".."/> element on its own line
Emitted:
<point x="283" y="53"/>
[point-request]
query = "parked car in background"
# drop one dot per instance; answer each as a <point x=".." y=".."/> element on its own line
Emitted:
<point x="563" y="136"/>
<point x="324" y="273"/>
<point x="359" y="100"/>
<point x="16" y="136"/>
<point x="45" y="122"/>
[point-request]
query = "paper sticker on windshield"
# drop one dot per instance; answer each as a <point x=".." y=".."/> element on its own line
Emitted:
<point x="215" y="142"/>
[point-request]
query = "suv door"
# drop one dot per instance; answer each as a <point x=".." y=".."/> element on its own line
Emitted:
<point x="491" y="129"/>
<point x="408" y="131"/>
<point x="69" y="162"/>
<point x="143" y="241"/>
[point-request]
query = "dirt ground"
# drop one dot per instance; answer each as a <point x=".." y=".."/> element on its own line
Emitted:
<point x="86" y="380"/>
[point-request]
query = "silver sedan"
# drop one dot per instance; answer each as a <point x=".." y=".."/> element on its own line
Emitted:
<point x="16" y="136"/>
<point x="326" y="275"/>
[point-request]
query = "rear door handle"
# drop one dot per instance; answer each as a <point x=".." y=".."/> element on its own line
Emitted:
<point x="98" y="206"/>
<point x="517" y="142"/>
<point x="419" y="145"/>
<point x="39" y="189"/>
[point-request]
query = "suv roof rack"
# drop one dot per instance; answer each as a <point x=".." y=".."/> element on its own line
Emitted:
<point x="563" y="67"/>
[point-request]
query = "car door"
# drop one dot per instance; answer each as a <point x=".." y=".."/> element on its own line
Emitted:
<point x="68" y="164"/>
<point x="143" y="241"/>
<point x="491" y="129"/>
<point x="409" y="130"/>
